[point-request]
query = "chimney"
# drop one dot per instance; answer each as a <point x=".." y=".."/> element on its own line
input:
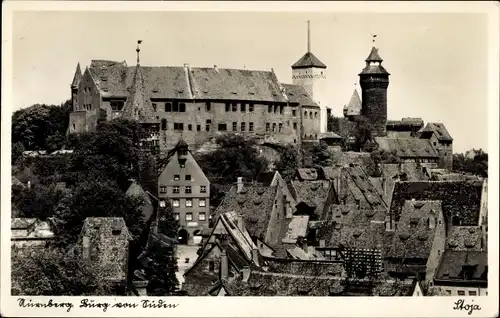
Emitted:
<point x="388" y="223"/>
<point x="240" y="184"/>
<point x="86" y="248"/>
<point x="246" y="274"/>
<point x="304" y="244"/>
<point x="186" y="65"/>
<point x="255" y="256"/>
<point x="224" y="266"/>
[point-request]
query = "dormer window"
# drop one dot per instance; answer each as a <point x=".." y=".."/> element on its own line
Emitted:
<point x="116" y="232"/>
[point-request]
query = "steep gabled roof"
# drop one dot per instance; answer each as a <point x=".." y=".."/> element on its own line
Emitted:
<point x="138" y="106"/>
<point x="313" y="193"/>
<point x="374" y="56"/>
<point x="452" y="263"/>
<point x="307" y="61"/>
<point x="297" y="94"/>
<point x="354" y="106"/>
<point x="77" y="77"/>
<point x="437" y="128"/>
<point x="408" y="147"/>
<point x="135" y="190"/>
<point x="414" y="237"/>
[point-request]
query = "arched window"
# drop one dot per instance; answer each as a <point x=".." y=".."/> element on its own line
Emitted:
<point x="305" y="114"/>
<point x="163" y="124"/>
<point x="310" y="114"/>
<point x="316" y="114"/>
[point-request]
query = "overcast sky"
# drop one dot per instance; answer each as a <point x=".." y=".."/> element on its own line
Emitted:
<point x="438" y="62"/>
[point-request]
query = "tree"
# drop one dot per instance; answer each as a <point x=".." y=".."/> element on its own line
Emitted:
<point x="477" y="166"/>
<point x="364" y="135"/>
<point x="379" y="157"/>
<point x="17" y="152"/>
<point x="288" y="163"/>
<point x="317" y="156"/>
<point x="168" y="225"/>
<point x="52" y="272"/>
<point x="236" y="156"/>
<point x="161" y="270"/>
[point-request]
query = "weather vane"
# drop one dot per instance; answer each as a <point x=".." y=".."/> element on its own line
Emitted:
<point x="373" y="37"/>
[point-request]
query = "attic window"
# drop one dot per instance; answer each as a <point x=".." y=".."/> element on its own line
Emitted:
<point x="251" y="93"/>
<point x="116" y="232"/>
<point x="155" y="90"/>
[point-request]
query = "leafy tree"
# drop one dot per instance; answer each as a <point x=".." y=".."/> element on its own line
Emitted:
<point x="161" y="270"/>
<point x="236" y="156"/>
<point x="477" y="166"/>
<point x="364" y="135"/>
<point x="379" y="157"/>
<point x="167" y="224"/>
<point x="53" y="272"/>
<point x="288" y="163"/>
<point x="317" y="156"/>
<point x="16" y="152"/>
<point x="37" y="202"/>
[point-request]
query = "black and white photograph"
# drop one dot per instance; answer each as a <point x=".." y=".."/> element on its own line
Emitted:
<point x="159" y="154"/>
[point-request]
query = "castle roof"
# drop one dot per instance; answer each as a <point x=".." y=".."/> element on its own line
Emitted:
<point x="408" y="147"/>
<point x="188" y="83"/>
<point x="452" y="262"/>
<point x="307" y="61"/>
<point x="435" y="128"/>
<point x="138" y="106"/>
<point x="77" y="77"/>
<point x="374" y="64"/>
<point x="354" y="106"/>
<point x="374" y="56"/>
<point x="297" y="94"/>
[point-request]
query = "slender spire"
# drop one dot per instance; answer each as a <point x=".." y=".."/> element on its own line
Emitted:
<point x="77" y="77"/>
<point x="138" y="50"/>
<point x="308" y="36"/>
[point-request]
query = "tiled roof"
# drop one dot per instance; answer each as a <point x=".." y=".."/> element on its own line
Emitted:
<point x="461" y="199"/>
<point x="360" y="185"/>
<point x="138" y="106"/>
<point x="414" y="237"/>
<point x="307" y="174"/>
<point x="354" y="106"/>
<point x="261" y="283"/>
<point x="190" y="82"/>
<point x="135" y="190"/>
<point x="408" y="147"/>
<point x="95" y="226"/>
<point x="374" y="56"/>
<point x="254" y="203"/>
<point x="297" y="94"/>
<point x="451" y="264"/>
<point x="329" y="135"/>
<point x="304" y="267"/>
<point x="354" y="228"/>
<point x="21" y="223"/>
<point x="464" y="238"/>
<point x="406" y="122"/>
<point x="240" y="236"/>
<point x="437" y="128"/>
<point x="77" y="77"/>
<point x="411" y="170"/>
<point x="308" y="60"/>
<point x="315" y="192"/>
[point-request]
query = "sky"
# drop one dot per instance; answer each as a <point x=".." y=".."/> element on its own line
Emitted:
<point x="438" y="61"/>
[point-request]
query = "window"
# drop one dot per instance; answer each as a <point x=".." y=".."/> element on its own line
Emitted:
<point x="208" y="106"/>
<point x="188" y="189"/>
<point x="250" y="107"/>
<point x="189" y="216"/>
<point x="168" y="107"/>
<point x="188" y="177"/>
<point x="175" y="106"/>
<point x="461" y="293"/>
<point x="182" y="107"/>
<point x="235" y="107"/>
<point x="163" y="189"/>
<point x="311" y="115"/>
<point x="189" y="202"/>
<point x="222" y="127"/>
<point x="175" y="203"/>
<point x="243" y="107"/>
<point x="177" y="177"/>
<point x="305" y="114"/>
<point x="154" y="106"/>
<point x="315" y="114"/>
<point x="268" y="126"/>
<point x="190" y="127"/>
<point x="178" y="126"/>
<point x="434" y="143"/>
<point x="203" y="189"/>
<point x="235" y="126"/>
<point x="294" y="112"/>
<point x="243" y="126"/>
<point x="211" y="266"/>
<point x="448" y="292"/>
<point x="472" y="293"/>
<point x="202" y="202"/>
<point x="164" y="124"/>
<point x="280" y="126"/>
<point x="282" y="109"/>
<point x="176" y="189"/>
<point x="270" y="108"/>
<point x="250" y="126"/>
<point x="274" y="127"/>
<point x="207" y="125"/>
<point x="198" y="127"/>
<point x="176" y="215"/>
<point x="228" y="106"/>
<point x="202" y="216"/>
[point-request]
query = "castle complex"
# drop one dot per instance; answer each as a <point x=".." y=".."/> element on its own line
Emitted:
<point x="200" y="103"/>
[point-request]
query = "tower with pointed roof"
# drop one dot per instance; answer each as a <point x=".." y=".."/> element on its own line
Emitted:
<point x="310" y="73"/>
<point x="74" y="86"/>
<point x="374" y="80"/>
<point x="354" y="107"/>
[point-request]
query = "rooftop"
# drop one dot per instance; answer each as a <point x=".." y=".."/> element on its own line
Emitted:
<point x="408" y="147"/>
<point x="307" y="61"/>
<point x="452" y="263"/>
